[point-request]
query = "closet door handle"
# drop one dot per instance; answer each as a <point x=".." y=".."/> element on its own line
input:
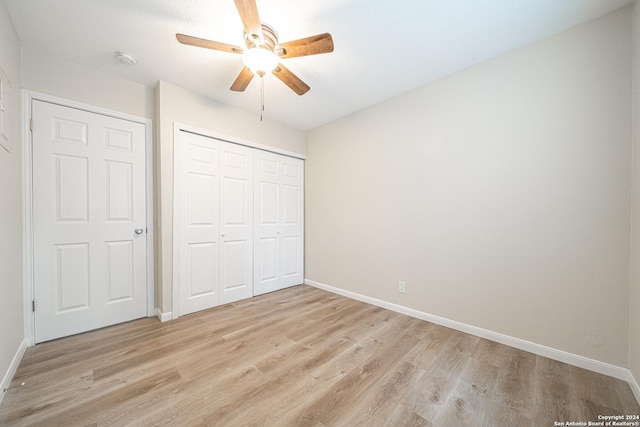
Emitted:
<point x="222" y="234"/>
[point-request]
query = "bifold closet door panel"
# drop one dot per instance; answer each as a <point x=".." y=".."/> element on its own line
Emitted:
<point x="292" y="221"/>
<point x="266" y="272"/>
<point x="197" y="213"/>
<point x="236" y="229"/>
<point x="213" y="206"/>
<point x="279" y="230"/>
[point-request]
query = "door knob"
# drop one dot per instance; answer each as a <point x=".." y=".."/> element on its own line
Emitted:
<point x="139" y="230"/>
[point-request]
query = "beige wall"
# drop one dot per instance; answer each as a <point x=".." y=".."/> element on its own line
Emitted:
<point x="177" y="105"/>
<point x="634" y="294"/>
<point x="500" y="194"/>
<point x="11" y="302"/>
<point x="44" y="73"/>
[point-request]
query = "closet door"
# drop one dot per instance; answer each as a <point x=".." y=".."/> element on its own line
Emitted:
<point x="279" y="230"/>
<point x="236" y="227"/>
<point x="197" y="219"/>
<point x="267" y="271"/>
<point x="213" y="206"/>
<point x="292" y="221"/>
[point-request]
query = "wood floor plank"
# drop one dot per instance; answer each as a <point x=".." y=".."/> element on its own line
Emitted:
<point x="381" y="400"/>
<point x="465" y="406"/>
<point x="623" y="391"/>
<point x="497" y="414"/>
<point x="299" y="357"/>
<point x="594" y="388"/>
<point x="350" y="390"/>
<point x="312" y="386"/>
<point x="515" y="385"/>
<point x="555" y="392"/>
<point x="292" y="377"/>
<point x="428" y="400"/>
<point x="403" y="417"/>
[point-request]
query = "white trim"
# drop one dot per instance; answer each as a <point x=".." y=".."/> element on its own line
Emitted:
<point x="27" y="219"/>
<point x="164" y="317"/>
<point x="33" y="95"/>
<point x="227" y="138"/>
<point x="150" y="200"/>
<point x="541" y="350"/>
<point x="175" y="266"/>
<point x="13" y="367"/>
<point x="28" y="97"/>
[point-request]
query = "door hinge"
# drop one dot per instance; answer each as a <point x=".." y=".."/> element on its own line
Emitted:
<point x="33" y="305"/>
<point x="31" y="125"/>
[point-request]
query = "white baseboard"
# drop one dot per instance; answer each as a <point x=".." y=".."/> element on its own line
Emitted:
<point x="552" y="353"/>
<point x="13" y="367"/>
<point x="164" y="317"/>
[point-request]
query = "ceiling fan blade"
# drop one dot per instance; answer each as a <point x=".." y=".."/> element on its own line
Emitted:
<point x="248" y="11"/>
<point x="208" y="44"/>
<point x="290" y="79"/>
<point x="243" y="80"/>
<point x="314" y="45"/>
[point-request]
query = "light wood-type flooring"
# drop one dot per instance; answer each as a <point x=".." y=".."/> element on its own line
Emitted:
<point x="299" y="357"/>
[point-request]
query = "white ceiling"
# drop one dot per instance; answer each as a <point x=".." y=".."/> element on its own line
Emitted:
<point x="382" y="47"/>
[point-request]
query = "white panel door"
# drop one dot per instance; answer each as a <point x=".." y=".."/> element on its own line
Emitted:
<point x="88" y="201"/>
<point x="236" y="215"/>
<point x="213" y="199"/>
<point x="267" y="271"/>
<point x="278" y="226"/>
<point x="197" y="216"/>
<point x="291" y="221"/>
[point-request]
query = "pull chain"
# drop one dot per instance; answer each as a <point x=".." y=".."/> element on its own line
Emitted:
<point x="261" y="97"/>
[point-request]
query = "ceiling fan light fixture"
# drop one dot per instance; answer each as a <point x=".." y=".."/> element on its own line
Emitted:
<point x="260" y="61"/>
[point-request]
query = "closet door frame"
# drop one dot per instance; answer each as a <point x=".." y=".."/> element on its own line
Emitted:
<point x="178" y="128"/>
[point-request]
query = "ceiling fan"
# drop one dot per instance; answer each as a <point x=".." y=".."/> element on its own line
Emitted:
<point x="263" y="52"/>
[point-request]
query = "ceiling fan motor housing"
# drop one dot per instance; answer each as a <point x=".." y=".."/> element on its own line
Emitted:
<point x="270" y="38"/>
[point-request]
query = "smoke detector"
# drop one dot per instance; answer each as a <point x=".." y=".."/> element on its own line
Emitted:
<point x="126" y="58"/>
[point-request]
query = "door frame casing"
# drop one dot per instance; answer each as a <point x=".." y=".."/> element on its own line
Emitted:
<point x="28" y="96"/>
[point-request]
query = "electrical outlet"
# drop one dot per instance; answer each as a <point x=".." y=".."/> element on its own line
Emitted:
<point x="402" y="287"/>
